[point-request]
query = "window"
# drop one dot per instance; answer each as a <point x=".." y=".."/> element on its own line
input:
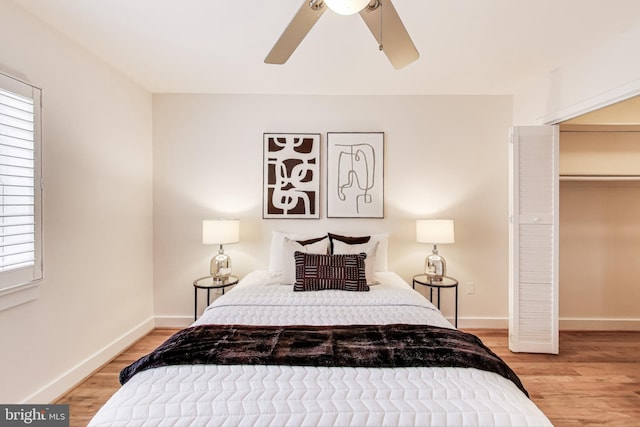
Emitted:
<point x="20" y="192"/>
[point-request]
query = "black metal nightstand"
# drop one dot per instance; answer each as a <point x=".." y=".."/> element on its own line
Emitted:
<point x="207" y="283"/>
<point x="446" y="282"/>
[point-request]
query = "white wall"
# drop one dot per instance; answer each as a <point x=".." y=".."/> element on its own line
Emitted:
<point x="599" y="247"/>
<point x="608" y="73"/>
<point x="445" y="156"/>
<point x="599" y="228"/>
<point x="97" y="292"/>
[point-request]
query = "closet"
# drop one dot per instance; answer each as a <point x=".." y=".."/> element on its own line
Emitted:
<point x="599" y="226"/>
<point x="574" y="227"/>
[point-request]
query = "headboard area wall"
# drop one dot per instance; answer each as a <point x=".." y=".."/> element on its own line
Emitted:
<point x="444" y="156"/>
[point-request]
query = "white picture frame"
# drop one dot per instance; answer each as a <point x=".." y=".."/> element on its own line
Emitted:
<point x="355" y="175"/>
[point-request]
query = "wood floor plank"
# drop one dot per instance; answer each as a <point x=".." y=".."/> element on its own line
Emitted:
<point x="594" y="381"/>
<point x="591" y="382"/>
<point x="88" y="397"/>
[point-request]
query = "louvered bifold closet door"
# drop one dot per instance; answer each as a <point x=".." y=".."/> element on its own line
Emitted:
<point x="533" y="281"/>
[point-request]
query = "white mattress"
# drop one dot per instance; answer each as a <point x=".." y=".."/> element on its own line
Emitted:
<point x="241" y="395"/>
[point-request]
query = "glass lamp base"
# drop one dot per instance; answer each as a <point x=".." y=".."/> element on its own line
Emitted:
<point x="435" y="267"/>
<point x="220" y="267"/>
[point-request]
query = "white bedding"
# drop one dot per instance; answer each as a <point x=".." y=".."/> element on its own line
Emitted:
<point x="241" y="395"/>
<point x="252" y="302"/>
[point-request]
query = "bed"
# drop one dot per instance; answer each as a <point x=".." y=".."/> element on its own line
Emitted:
<point x="273" y="353"/>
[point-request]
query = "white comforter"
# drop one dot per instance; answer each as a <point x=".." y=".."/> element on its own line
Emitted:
<point x="200" y="395"/>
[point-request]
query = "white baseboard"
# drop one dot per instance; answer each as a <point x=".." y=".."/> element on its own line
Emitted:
<point x="598" y="324"/>
<point x="82" y="370"/>
<point x="481" y="322"/>
<point x="566" y="323"/>
<point x="173" y="321"/>
<point x="463" y="322"/>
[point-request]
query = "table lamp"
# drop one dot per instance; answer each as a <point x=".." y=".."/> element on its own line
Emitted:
<point x="435" y="232"/>
<point x="220" y="232"/>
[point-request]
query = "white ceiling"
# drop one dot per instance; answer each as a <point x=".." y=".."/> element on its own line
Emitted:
<point x="218" y="46"/>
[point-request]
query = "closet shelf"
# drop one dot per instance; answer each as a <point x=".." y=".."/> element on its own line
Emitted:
<point x="599" y="177"/>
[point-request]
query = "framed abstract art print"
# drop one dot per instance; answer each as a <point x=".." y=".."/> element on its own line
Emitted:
<point x="291" y="175"/>
<point x="355" y="175"/>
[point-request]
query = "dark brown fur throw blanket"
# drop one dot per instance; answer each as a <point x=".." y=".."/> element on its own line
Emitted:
<point x="370" y="346"/>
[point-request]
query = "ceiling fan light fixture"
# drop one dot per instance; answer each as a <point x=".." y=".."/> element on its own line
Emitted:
<point x="346" y="7"/>
<point x="398" y="46"/>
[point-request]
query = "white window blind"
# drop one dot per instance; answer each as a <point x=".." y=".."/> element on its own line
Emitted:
<point x="20" y="188"/>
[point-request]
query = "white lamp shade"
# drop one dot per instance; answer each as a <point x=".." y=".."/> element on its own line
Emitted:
<point x="220" y="231"/>
<point x="435" y="231"/>
<point x="346" y="7"/>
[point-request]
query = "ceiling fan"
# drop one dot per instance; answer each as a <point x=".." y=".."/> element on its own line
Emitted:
<point x="379" y="15"/>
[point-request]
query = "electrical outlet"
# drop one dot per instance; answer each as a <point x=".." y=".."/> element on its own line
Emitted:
<point x="471" y="288"/>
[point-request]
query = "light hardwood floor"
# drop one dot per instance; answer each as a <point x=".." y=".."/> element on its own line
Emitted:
<point x="595" y="380"/>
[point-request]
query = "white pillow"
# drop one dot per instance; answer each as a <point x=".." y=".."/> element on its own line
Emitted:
<point x="288" y="258"/>
<point x="277" y="246"/>
<point x="381" y="256"/>
<point x="382" y="252"/>
<point x="370" y="248"/>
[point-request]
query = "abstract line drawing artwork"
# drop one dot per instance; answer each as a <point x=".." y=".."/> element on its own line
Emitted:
<point x="291" y="177"/>
<point x="355" y="178"/>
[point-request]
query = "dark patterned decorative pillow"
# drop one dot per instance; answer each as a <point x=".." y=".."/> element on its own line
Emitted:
<point x="315" y="272"/>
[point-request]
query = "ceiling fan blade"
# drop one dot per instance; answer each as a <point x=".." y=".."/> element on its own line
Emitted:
<point x="297" y="29"/>
<point x="387" y="28"/>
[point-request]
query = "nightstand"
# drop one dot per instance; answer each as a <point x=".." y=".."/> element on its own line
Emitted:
<point x="446" y="282"/>
<point x="207" y="283"/>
